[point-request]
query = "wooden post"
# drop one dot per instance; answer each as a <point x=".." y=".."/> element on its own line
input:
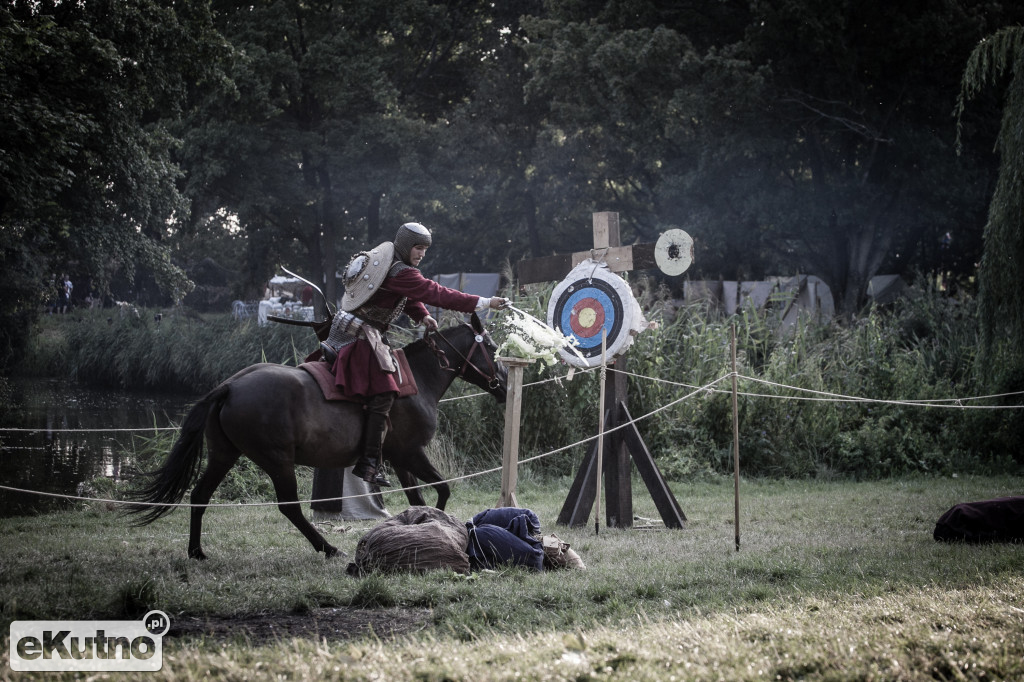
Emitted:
<point x="600" y="430"/>
<point x="510" y="441"/>
<point x="621" y="444"/>
<point x="735" y="441"/>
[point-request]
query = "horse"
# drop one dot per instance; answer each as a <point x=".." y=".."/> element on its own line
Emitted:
<point x="276" y="416"/>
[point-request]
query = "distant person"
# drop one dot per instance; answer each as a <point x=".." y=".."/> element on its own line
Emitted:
<point x="66" y="288"/>
<point x="53" y="294"/>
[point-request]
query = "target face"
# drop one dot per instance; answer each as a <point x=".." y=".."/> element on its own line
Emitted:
<point x="584" y="309"/>
<point x="592" y="300"/>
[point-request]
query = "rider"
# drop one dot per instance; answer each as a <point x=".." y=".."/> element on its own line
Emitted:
<point x="380" y="285"/>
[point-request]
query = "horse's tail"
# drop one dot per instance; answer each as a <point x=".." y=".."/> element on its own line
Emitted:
<point x="167" y="485"/>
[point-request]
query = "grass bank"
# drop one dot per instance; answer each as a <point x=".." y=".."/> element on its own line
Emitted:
<point x="834" y="580"/>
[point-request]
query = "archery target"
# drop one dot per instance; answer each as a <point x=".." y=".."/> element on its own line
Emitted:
<point x="592" y="299"/>
<point x="674" y="252"/>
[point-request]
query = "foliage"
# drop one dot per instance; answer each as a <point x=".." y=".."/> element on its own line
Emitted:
<point x="923" y="348"/>
<point x="810" y="142"/>
<point x="997" y="60"/>
<point x="794" y="419"/>
<point x="87" y="185"/>
<point x="181" y="351"/>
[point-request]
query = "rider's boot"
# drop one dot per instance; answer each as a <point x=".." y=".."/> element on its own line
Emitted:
<point x="368" y="466"/>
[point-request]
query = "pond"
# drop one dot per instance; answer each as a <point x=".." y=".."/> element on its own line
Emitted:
<point x="56" y="436"/>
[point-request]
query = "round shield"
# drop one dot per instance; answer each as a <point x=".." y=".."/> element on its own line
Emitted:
<point x="365" y="273"/>
<point x="673" y="252"/>
<point x="589" y="301"/>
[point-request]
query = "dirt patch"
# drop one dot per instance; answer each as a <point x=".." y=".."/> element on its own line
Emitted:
<point x="332" y="624"/>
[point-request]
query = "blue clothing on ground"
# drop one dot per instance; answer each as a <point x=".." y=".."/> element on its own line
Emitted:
<point x="505" y="536"/>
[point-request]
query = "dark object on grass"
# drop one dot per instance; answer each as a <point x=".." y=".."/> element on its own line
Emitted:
<point x="278" y="418"/>
<point x="998" y="520"/>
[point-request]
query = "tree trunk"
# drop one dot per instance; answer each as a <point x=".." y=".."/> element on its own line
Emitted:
<point x="329" y="228"/>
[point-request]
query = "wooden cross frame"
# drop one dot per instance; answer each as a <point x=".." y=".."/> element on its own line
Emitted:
<point x="620" y="444"/>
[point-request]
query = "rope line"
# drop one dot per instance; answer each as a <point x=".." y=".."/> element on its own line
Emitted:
<point x="390" y="490"/>
<point x="841" y="398"/>
<point x="174" y="428"/>
<point x="957" y="403"/>
<point x="48" y="430"/>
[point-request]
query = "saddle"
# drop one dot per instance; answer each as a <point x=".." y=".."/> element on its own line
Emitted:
<point x="321" y="371"/>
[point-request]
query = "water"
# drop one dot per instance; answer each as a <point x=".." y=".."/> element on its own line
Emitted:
<point x="60" y="452"/>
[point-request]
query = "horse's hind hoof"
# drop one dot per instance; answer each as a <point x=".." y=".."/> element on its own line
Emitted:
<point x="197" y="554"/>
<point x="331" y="552"/>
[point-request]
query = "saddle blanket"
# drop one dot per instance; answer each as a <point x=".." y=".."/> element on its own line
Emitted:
<point x="321" y="371"/>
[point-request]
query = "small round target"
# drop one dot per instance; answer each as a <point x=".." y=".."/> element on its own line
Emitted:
<point x="674" y="252"/>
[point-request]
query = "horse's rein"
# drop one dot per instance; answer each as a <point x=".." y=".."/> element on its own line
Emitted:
<point x="478" y="342"/>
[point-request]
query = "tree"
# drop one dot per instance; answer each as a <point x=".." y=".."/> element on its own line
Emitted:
<point x="86" y="177"/>
<point x="322" y="140"/>
<point x="999" y="60"/>
<point x="815" y="139"/>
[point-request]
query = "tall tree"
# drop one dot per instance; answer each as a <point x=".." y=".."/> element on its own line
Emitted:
<point x="817" y="139"/>
<point x="999" y="60"/>
<point x="86" y="177"/>
<point x="322" y="139"/>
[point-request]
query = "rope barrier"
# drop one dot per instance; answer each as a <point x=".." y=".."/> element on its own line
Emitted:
<point x="957" y="403"/>
<point x="389" y="491"/>
<point x="49" y="430"/>
<point x="175" y="428"/>
<point x="838" y="397"/>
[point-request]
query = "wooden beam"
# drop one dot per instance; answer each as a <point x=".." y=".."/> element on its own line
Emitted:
<point x="664" y="500"/>
<point x="543" y="269"/>
<point x="619" y="259"/>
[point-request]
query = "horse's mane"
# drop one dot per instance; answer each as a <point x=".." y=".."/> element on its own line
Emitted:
<point x="419" y="344"/>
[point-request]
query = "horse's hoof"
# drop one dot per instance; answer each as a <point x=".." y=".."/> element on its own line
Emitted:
<point x="332" y="552"/>
<point x="197" y="554"/>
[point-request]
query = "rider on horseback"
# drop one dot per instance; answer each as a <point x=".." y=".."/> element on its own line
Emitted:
<point x="380" y="285"/>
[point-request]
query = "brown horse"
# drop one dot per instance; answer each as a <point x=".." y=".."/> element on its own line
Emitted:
<point x="277" y="416"/>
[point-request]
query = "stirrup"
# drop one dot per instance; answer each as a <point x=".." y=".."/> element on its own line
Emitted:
<point x="379" y="480"/>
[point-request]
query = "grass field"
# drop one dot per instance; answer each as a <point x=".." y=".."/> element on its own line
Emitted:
<point x="833" y="580"/>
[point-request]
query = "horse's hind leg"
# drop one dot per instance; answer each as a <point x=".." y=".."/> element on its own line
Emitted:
<point x="222" y="456"/>
<point x="415" y="496"/>
<point x="417" y="465"/>
<point x="288" y="492"/>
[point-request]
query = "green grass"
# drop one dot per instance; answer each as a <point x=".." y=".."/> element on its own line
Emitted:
<point x="833" y="580"/>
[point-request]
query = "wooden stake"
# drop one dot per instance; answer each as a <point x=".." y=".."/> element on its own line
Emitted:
<point x="510" y="442"/>
<point x="735" y="440"/>
<point x="600" y="431"/>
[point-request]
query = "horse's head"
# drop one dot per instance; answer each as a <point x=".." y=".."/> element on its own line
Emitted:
<point x="469" y="351"/>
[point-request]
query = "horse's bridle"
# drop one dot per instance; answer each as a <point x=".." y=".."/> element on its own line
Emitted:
<point x="479" y="341"/>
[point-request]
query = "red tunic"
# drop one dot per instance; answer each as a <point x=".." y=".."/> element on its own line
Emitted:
<point x="356" y="371"/>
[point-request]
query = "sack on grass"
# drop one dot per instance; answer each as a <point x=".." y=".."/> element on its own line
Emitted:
<point x="419" y="539"/>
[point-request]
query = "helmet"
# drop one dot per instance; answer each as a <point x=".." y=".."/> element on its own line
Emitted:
<point x="408" y="236"/>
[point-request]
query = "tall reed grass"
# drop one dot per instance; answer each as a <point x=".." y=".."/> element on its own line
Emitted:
<point x="921" y="348"/>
